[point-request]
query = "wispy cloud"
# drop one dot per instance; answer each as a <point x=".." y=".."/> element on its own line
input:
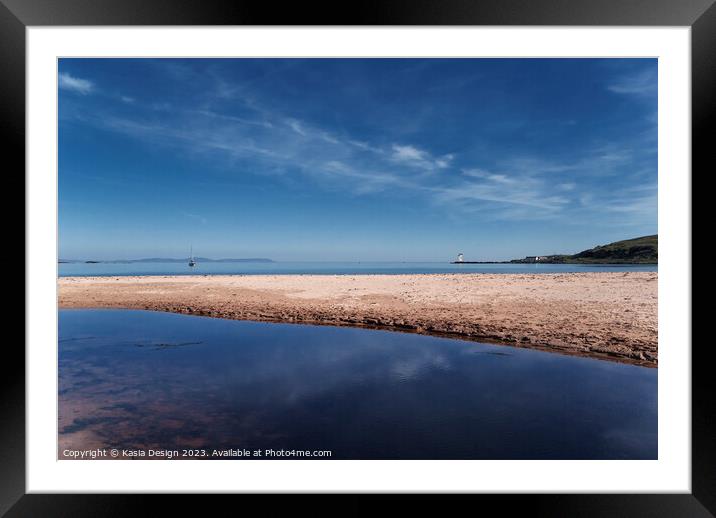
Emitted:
<point x="639" y="200"/>
<point x="493" y="177"/>
<point x="507" y="195"/>
<point x="623" y="206"/>
<point x="640" y="83"/>
<point x="296" y="126"/>
<point x="278" y="143"/>
<point x="75" y="84"/>
<point x="414" y="157"/>
<point x="519" y="188"/>
<point x="232" y="118"/>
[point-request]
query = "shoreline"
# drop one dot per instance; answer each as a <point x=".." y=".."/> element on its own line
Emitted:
<point x="603" y="315"/>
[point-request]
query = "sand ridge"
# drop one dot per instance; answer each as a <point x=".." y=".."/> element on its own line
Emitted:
<point x="600" y="314"/>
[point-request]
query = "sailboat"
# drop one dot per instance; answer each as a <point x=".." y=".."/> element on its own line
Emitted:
<point x="192" y="262"/>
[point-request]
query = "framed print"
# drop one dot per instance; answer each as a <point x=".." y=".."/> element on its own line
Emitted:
<point x="443" y="249"/>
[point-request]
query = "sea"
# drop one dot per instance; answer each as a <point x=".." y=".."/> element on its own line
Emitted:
<point x="330" y="268"/>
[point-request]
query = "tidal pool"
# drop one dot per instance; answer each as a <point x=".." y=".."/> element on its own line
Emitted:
<point x="137" y="381"/>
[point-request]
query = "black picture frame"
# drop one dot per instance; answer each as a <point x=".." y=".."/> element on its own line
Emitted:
<point x="700" y="15"/>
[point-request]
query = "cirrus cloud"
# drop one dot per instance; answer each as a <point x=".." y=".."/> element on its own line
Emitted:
<point x="75" y="84"/>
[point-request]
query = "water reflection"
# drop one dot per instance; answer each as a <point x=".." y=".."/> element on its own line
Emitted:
<point x="134" y="379"/>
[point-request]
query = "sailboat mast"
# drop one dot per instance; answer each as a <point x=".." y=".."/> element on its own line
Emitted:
<point x="192" y="262"/>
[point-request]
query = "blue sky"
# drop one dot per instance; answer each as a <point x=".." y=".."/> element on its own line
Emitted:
<point x="354" y="159"/>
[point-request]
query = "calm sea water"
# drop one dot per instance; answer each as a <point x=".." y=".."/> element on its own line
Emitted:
<point x="143" y="380"/>
<point x="336" y="268"/>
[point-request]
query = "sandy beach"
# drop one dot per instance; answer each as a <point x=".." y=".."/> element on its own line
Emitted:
<point x="598" y="314"/>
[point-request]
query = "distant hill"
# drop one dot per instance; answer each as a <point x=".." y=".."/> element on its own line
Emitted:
<point x="640" y="250"/>
<point x="168" y="260"/>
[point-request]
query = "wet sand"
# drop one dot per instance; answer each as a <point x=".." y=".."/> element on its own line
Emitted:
<point x="609" y="315"/>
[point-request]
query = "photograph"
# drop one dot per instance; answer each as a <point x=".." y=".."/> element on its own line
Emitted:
<point x="357" y="258"/>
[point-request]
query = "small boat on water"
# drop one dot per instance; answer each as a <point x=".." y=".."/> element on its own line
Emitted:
<point x="192" y="262"/>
